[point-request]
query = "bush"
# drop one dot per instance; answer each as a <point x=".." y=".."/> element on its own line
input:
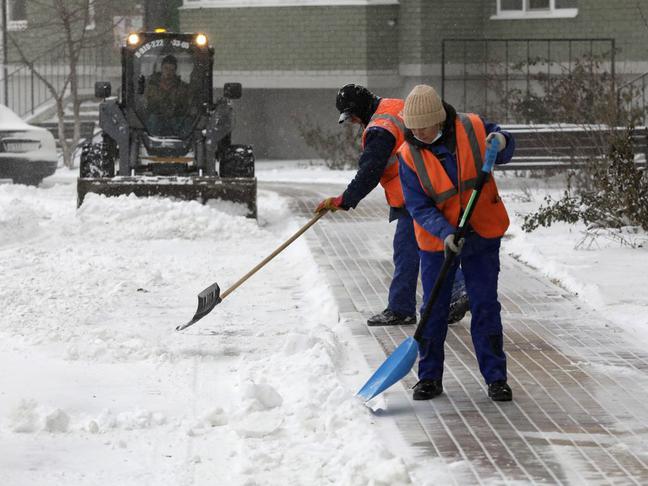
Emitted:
<point x="606" y="189"/>
<point x="617" y="194"/>
<point x="584" y="92"/>
<point x="339" y="149"/>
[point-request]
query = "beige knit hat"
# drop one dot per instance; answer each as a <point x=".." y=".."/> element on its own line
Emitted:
<point x="423" y="108"/>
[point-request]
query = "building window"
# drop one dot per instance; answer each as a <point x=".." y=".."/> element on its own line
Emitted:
<point x="539" y="5"/>
<point x="535" y="9"/>
<point x="511" y="5"/>
<point x="16" y="14"/>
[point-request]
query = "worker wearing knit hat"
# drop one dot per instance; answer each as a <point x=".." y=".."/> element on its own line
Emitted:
<point x="438" y="164"/>
<point x="423" y="108"/>
<point x="383" y="131"/>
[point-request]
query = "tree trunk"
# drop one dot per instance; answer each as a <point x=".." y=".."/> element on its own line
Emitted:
<point x="76" y="103"/>
<point x="65" y="146"/>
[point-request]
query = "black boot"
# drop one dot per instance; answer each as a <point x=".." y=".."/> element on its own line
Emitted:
<point x="458" y="309"/>
<point x="426" y="389"/>
<point x="390" y="318"/>
<point x="499" y="391"/>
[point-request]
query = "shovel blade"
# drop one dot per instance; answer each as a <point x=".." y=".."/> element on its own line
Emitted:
<point x="207" y="300"/>
<point x="395" y="367"/>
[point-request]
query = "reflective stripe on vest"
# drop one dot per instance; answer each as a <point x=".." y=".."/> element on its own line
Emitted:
<point x="399" y="124"/>
<point x="386" y="116"/>
<point x="468" y="183"/>
<point x="474" y="148"/>
<point x="472" y="139"/>
<point x="392" y="160"/>
<point x="426" y="183"/>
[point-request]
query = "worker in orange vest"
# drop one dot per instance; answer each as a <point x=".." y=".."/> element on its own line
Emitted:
<point x="383" y="133"/>
<point x="438" y="164"/>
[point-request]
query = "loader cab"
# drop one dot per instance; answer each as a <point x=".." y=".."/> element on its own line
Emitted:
<point x="166" y="133"/>
<point x="167" y="88"/>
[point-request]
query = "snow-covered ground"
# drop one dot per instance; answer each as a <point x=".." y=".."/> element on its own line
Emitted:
<point x="608" y="275"/>
<point x="97" y="388"/>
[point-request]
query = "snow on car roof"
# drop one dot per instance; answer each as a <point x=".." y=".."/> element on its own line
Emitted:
<point x="10" y="121"/>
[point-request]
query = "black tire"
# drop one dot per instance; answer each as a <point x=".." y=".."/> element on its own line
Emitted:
<point x="28" y="180"/>
<point x="96" y="161"/>
<point x="111" y="147"/>
<point x="237" y="161"/>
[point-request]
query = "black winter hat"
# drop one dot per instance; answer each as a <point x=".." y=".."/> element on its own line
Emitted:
<point x="353" y="99"/>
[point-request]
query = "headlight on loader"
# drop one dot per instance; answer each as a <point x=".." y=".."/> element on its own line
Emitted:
<point x="133" y="39"/>
<point x="201" y="40"/>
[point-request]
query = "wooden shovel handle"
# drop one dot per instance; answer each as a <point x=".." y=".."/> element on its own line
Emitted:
<point x="281" y="248"/>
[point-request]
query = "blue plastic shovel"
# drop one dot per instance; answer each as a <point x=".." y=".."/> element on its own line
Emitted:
<point x="400" y="362"/>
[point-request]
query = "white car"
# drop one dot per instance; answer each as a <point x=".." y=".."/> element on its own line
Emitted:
<point x="27" y="153"/>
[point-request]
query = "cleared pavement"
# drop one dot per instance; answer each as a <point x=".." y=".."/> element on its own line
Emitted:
<point x="579" y="414"/>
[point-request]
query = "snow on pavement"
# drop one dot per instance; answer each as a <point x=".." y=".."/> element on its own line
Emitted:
<point x="606" y="275"/>
<point x="99" y="389"/>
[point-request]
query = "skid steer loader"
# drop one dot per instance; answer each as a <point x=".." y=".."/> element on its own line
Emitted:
<point x="165" y="132"/>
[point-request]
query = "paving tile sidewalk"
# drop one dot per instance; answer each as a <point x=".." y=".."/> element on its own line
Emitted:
<point x="579" y="414"/>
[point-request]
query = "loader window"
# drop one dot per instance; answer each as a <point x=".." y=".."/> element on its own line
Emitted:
<point x="168" y="103"/>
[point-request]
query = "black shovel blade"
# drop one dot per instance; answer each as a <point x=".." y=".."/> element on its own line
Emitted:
<point x="207" y="300"/>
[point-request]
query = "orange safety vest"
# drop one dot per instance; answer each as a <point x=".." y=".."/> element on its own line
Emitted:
<point x="389" y="116"/>
<point x="489" y="219"/>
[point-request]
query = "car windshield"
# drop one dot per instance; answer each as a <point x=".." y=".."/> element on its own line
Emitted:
<point x="167" y="92"/>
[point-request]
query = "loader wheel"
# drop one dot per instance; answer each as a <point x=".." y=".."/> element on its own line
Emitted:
<point x="28" y="180"/>
<point x="237" y="161"/>
<point x="96" y="161"/>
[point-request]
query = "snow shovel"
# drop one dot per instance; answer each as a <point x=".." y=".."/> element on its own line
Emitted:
<point x="400" y="362"/>
<point x="211" y="296"/>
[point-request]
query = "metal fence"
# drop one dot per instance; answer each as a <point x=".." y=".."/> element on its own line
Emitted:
<point x="26" y="93"/>
<point x="633" y="98"/>
<point x="480" y="74"/>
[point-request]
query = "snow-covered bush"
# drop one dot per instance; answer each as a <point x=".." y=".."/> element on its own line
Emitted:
<point x="605" y="189"/>
<point x="615" y="195"/>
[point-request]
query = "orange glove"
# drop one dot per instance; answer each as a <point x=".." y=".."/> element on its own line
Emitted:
<point x="330" y="203"/>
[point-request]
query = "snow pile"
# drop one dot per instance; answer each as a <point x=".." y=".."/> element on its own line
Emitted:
<point x="18" y="222"/>
<point x="140" y="219"/>
<point x="103" y="390"/>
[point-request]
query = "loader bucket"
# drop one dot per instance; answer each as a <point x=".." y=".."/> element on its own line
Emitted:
<point x="238" y="190"/>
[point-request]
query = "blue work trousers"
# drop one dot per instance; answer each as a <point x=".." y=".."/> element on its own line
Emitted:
<point x="480" y="262"/>
<point x="402" y="290"/>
